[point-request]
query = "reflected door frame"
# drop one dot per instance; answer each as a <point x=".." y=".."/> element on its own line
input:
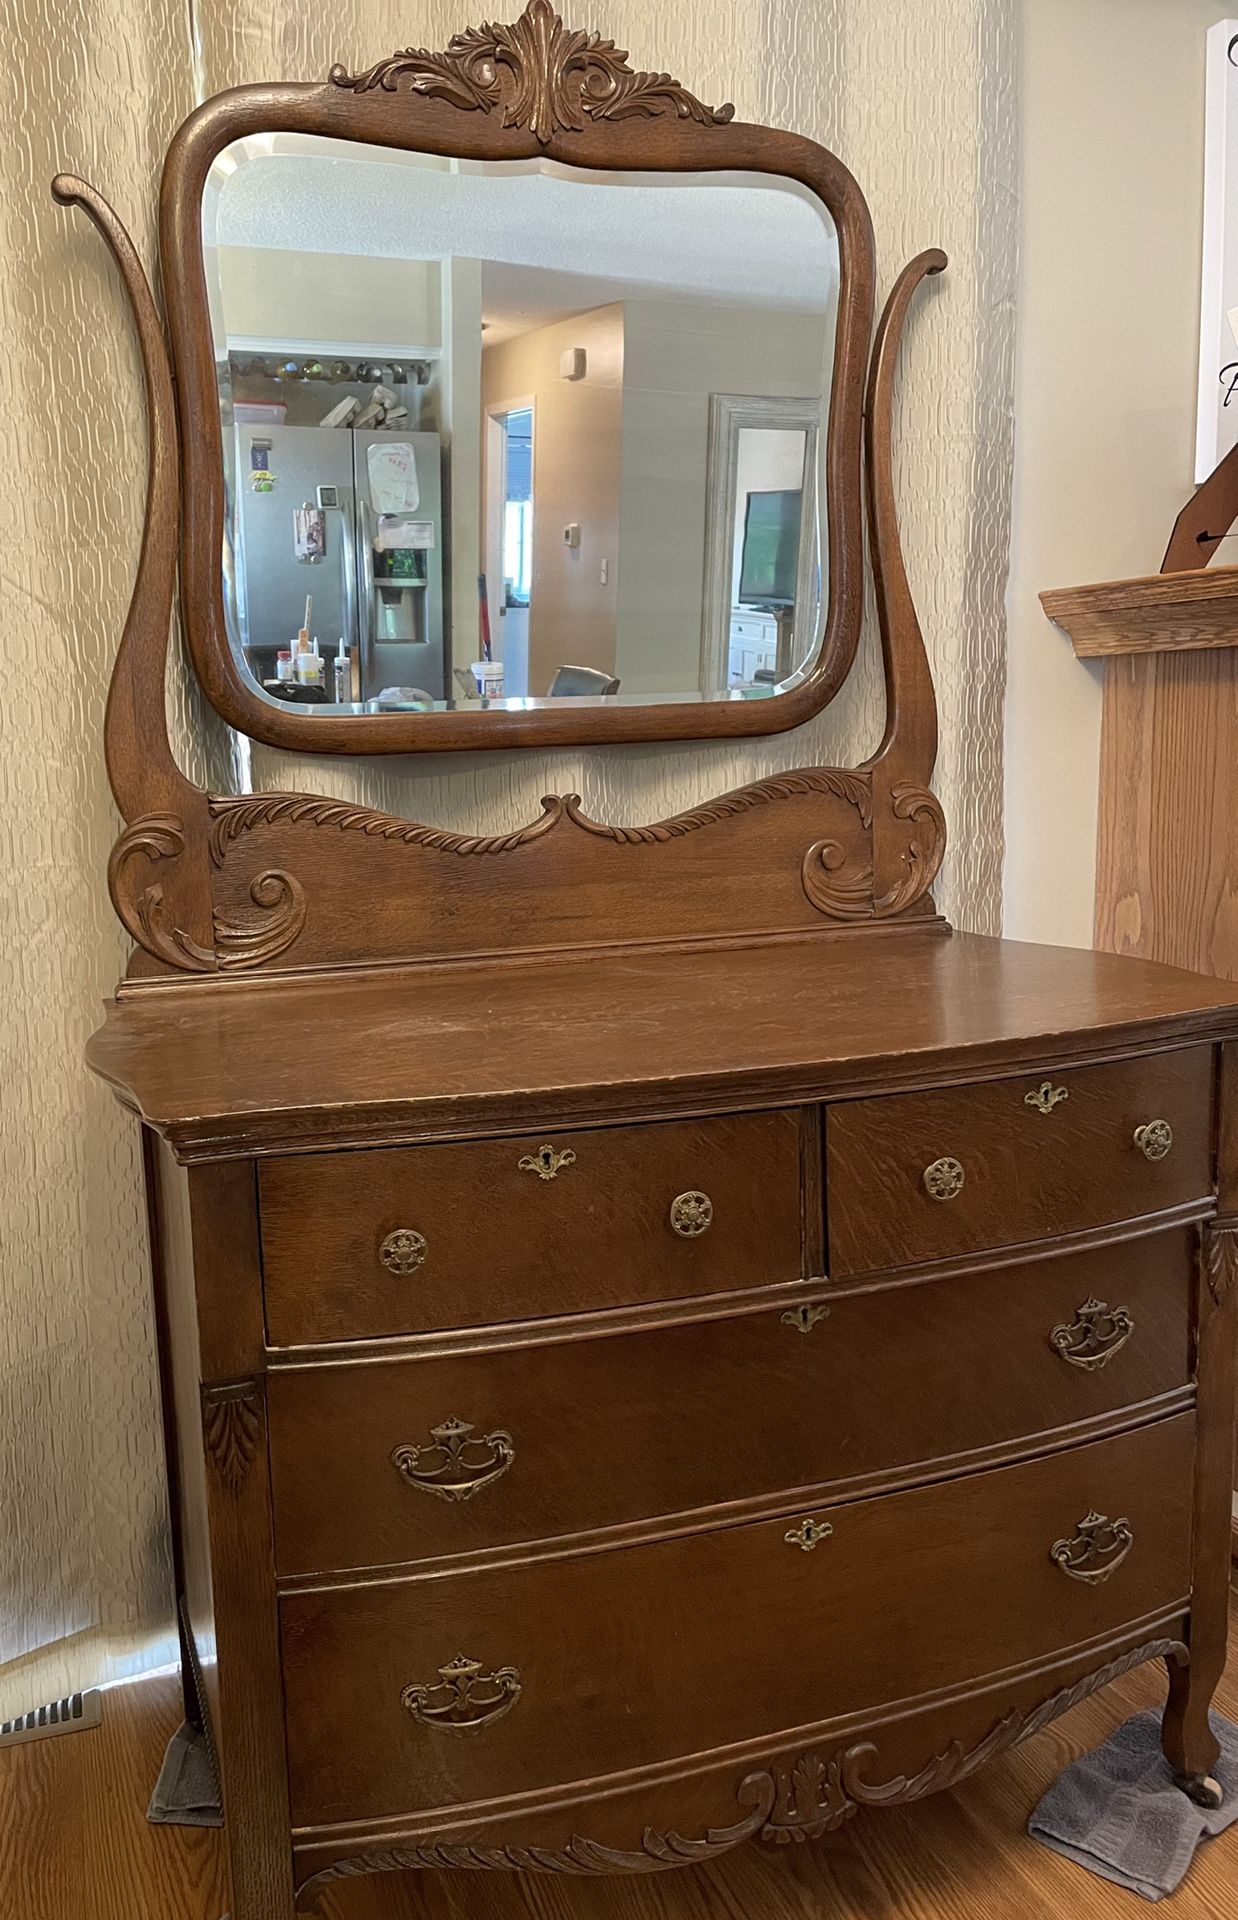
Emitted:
<point x="730" y="414"/>
<point x="493" y="509"/>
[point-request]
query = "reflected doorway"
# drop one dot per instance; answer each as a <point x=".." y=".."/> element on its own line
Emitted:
<point x="508" y="580"/>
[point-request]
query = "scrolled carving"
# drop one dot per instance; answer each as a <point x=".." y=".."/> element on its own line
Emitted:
<point x="801" y="1802"/>
<point x="843" y="887"/>
<point x="255" y="939"/>
<point x="155" y="836"/>
<point x="854" y="788"/>
<point x="231" y="1423"/>
<point x="1220" y="1262"/>
<point x="544" y="75"/>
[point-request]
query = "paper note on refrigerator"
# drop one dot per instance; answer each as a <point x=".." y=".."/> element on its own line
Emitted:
<point x="403" y="533"/>
<point x="392" y="469"/>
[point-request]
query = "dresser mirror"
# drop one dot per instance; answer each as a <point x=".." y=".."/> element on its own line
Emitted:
<point x="496" y="434"/>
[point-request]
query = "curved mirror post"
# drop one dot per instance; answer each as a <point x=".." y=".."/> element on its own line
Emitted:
<point x="505" y="434"/>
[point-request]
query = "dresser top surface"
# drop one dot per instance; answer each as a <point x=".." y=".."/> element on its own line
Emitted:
<point x="429" y="1051"/>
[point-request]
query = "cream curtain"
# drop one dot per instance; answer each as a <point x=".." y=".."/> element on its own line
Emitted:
<point x="920" y="102"/>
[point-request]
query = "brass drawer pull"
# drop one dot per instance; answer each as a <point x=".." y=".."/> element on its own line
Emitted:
<point x="1154" y="1139"/>
<point x="1097" y="1550"/>
<point x="1046" y="1096"/>
<point x="403" y="1251"/>
<point x="1094" y="1336"/>
<point x="691" y="1214"/>
<point x="809" y="1534"/>
<point x="804" y="1319"/>
<point x="456" y="1465"/>
<point x="464" y="1698"/>
<point x="944" y="1179"/>
<point x="545" y="1163"/>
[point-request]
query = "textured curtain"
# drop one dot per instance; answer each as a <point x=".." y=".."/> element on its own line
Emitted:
<point x="919" y="102"/>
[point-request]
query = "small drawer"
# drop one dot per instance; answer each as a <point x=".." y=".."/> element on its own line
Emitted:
<point x="449" y="1690"/>
<point x="406" y="1239"/>
<point x="396" y="1461"/>
<point x="923" y="1176"/>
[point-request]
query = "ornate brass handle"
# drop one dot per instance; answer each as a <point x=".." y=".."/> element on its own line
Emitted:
<point x="1097" y="1550"/>
<point x="1046" y="1096"/>
<point x="804" y="1319"/>
<point x="944" y="1179"/>
<point x="464" y="1698"/>
<point x="403" y="1251"/>
<point x="809" y="1534"/>
<point x="1154" y="1139"/>
<point x="455" y="1466"/>
<point x="691" y="1214"/>
<point x="1094" y="1336"/>
<point x="545" y="1163"/>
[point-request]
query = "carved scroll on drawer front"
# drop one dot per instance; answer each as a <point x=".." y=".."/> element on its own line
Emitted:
<point x="572" y="1434"/>
<point x="923" y="1176"/>
<point x="402" y="1239"/>
<point x="609" y="1677"/>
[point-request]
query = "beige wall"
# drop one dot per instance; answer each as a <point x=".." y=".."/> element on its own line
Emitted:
<point x="676" y="354"/>
<point x="921" y="103"/>
<point x="1108" y="346"/>
<point x="577" y="453"/>
<point x="337" y="298"/>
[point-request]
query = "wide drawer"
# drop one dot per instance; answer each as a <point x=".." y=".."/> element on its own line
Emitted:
<point x="443" y="1690"/>
<point x="396" y="1461"/>
<point x="398" y="1240"/>
<point x="922" y="1176"/>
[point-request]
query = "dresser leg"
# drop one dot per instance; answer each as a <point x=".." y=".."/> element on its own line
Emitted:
<point x="1189" y="1744"/>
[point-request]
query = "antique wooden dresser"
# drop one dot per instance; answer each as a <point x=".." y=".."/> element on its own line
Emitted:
<point x="664" y="1343"/>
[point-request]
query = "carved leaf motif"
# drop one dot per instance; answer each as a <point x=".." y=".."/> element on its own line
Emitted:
<point x="251" y="941"/>
<point x="234" y="817"/>
<point x="843" y="888"/>
<point x="231" y="1421"/>
<point x="810" y="1798"/>
<point x="545" y="76"/>
<point x="1221" y="1262"/>
<point x="156" y="836"/>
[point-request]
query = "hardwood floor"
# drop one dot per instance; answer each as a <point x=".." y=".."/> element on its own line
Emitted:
<point x="74" y="1845"/>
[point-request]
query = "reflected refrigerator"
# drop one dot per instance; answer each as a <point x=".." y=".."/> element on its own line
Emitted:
<point x="356" y="520"/>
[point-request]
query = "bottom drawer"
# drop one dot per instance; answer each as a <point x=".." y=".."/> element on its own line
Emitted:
<point x="591" y="1664"/>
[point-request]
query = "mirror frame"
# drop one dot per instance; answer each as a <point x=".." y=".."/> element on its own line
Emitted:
<point x="534" y="89"/>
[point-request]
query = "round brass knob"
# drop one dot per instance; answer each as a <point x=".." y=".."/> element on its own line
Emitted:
<point x="691" y="1214"/>
<point x="402" y="1251"/>
<point x="1155" y="1139"/>
<point x="944" y="1179"/>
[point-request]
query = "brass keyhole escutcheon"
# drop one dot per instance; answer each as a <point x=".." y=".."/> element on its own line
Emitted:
<point x="809" y="1534"/>
<point x="545" y="1163"/>
<point x="1154" y="1139"/>
<point x="944" y="1179"/>
<point x="1045" y="1097"/>
<point x="691" y="1214"/>
<point x="403" y="1251"/>
<point x="804" y="1319"/>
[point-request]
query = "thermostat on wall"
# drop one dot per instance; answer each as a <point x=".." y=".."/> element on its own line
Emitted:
<point x="571" y="534"/>
<point x="572" y="364"/>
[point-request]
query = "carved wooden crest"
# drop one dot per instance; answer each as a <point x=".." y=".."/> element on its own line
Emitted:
<point x="542" y="74"/>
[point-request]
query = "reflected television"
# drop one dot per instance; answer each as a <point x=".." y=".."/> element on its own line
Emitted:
<point x="770" y="558"/>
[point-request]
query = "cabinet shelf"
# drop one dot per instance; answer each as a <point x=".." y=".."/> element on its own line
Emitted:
<point x="1157" y="613"/>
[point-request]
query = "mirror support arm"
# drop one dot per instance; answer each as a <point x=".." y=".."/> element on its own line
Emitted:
<point x="166" y="815"/>
<point x="910" y="738"/>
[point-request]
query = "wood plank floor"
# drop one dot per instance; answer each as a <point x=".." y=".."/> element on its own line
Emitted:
<point x="74" y="1845"/>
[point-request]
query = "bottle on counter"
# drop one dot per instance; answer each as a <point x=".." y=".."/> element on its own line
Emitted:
<point x="342" y="670"/>
<point x="284" y="669"/>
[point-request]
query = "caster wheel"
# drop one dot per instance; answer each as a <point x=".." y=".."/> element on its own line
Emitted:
<point x="1203" y="1790"/>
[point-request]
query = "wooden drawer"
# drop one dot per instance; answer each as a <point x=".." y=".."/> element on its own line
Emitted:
<point x="503" y="1230"/>
<point x="568" y="1435"/>
<point x="616" y="1660"/>
<point x="1039" y="1155"/>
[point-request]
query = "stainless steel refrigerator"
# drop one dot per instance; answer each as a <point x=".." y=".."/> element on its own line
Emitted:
<point x="376" y="576"/>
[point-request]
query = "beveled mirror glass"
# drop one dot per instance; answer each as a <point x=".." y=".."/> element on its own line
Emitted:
<point x="498" y="434"/>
